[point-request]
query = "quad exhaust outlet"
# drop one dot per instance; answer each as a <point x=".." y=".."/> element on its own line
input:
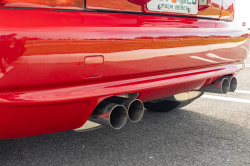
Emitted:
<point x="115" y="111"/>
<point x="134" y="107"/>
<point x="222" y="85"/>
<point x="233" y="84"/>
<point x="110" y="114"/>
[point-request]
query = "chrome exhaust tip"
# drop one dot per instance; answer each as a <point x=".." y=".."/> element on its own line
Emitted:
<point x="136" y="111"/>
<point x="135" y="107"/>
<point x="219" y="86"/>
<point x="110" y="114"/>
<point x="233" y="84"/>
<point x="225" y="85"/>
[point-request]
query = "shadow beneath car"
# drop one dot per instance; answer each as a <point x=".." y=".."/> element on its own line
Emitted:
<point x="179" y="137"/>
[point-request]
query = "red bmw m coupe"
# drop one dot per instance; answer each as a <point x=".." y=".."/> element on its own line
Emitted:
<point x="80" y="64"/>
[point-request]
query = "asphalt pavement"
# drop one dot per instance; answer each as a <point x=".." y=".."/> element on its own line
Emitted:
<point x="213" y="130"/>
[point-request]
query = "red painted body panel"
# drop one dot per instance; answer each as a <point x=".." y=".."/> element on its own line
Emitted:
<point x="227" y="10"/>
<point x="44" y="4"/>
<point x="211" y="10"/>
<point x="48" y="89"/>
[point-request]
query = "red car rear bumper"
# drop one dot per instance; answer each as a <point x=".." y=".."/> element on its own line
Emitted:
<point x="74" y="60"/>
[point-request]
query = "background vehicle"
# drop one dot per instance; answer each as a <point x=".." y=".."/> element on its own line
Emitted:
<point x="66" y="61"/>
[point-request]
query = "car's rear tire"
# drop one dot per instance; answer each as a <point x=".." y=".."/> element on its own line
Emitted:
<point x="167" y="105"/>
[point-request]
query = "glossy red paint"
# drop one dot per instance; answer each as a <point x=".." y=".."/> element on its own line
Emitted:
<point x="139" y="2"/>
<point x="115" y="5"/>
<point x="93" y="66"/>
<point x="211" y="10"/>
<point x="44" y="4"/>
<point x="227" y="10"/>
<point x="202" y="7"/>
<point x="44" y="89"/>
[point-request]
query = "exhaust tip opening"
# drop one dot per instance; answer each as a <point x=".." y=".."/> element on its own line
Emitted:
<point x="225" y="86"/>
<point x="118" y="117"/>
<point x="136" y="111"/>
<point x="233" y="84"/>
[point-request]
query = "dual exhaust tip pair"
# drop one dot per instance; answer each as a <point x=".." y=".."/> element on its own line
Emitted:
<point x="115" y="111"/>
<point x="222" y="85"/>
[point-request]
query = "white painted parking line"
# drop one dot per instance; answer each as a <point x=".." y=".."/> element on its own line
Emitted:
<point x="242" y="91"/>
<point x="226" y="98"/>
<point x="247" y="65"/>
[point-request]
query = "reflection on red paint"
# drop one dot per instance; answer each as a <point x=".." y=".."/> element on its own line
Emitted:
<point x="211" y="10"/>
<point x="46" y="90"/>
<point x="42" y="3"/>
<point x="117" y="5"/>
<point x="93" y="66"/>
<point x="139" y="2"/>
<point x="227" y="10"/>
